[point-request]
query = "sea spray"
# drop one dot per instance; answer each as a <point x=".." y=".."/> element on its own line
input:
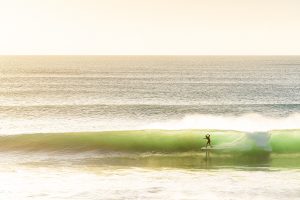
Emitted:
<point x="248" y="122"/>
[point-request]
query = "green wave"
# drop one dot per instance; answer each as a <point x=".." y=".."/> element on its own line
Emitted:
<point x="164" y="141"/>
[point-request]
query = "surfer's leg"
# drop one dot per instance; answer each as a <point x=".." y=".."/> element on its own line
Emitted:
<point x="210" y="144"/>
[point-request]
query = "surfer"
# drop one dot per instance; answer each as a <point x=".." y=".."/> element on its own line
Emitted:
<point x="207" y="137"/>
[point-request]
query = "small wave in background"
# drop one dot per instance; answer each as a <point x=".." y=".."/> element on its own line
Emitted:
<point x="102" y="93"/>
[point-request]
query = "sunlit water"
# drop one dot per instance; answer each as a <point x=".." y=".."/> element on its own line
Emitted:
<point x="67" y="93"/>
<point x="57" y="94"/>
<point x="135" y="183"/>
<point x="85" y="176"/>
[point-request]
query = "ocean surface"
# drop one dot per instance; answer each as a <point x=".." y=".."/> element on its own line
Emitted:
<point x="132" y="127"/>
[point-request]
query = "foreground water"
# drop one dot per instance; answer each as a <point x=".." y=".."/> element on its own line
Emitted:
<point x="106" y="175"/>
<point x="90" y="127"/>
<point x="137" y="183"/>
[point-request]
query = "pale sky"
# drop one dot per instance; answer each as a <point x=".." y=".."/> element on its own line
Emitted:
<point x="155" y="27"/>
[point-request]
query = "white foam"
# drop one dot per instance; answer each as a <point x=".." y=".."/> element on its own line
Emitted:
<point x="248" y="122"/>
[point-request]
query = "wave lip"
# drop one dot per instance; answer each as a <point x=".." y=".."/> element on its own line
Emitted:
<point x="47" y="121"/>
<point x="248" y="122"/>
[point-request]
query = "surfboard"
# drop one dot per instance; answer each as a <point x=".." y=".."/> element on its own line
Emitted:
<point x="206" y="148"/>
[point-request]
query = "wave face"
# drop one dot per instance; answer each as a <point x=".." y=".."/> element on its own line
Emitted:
<point x="158" y="141"/>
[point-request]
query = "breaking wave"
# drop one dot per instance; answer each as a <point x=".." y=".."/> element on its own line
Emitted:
<point x="165" y="141"/>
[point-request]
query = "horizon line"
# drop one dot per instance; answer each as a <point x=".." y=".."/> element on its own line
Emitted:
<point x="149" y="55"/>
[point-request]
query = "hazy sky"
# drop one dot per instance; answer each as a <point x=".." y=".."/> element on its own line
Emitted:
<point x="150" y="27"/>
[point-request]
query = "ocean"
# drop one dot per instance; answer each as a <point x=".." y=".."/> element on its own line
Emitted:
<point x="132" y="127"/>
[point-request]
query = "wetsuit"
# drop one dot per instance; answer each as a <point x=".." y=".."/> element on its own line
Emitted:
<point x="208" y="140"/>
